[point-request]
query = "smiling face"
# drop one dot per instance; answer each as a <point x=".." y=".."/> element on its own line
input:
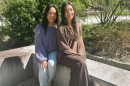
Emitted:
<point x="69" y="13"/>
<point x="51" y="15"/>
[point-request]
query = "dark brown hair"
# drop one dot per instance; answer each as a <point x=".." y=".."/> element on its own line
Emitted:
<point x="45" y="20"/>
<point x="71" y="33"/>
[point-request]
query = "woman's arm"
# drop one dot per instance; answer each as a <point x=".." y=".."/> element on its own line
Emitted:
<point x="62" y="43"/>
<point x="39" y="48"/>
<point x="81" y="48"/>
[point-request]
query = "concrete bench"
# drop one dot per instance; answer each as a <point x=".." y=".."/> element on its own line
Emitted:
<point x="18" y="65"/>
<point x="103" y="74"/>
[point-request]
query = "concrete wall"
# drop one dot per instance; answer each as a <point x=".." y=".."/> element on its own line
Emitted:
<point x="103" y="74"/>
<point x="111" y="62"/>
<point x="62" y="76"/>
<point x="12" y="71"/>
<point x="18" y="65"/>
<point x="35" y="67"/>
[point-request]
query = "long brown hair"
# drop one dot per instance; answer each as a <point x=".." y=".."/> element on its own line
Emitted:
<point x="72" y="32"/>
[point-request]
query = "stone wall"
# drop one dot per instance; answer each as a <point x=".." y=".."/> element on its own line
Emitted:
<point x="18" y="65"/>
<point x="111" y="62"/>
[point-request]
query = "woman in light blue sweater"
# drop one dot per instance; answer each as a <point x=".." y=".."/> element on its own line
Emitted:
<point x="46" y="44"/>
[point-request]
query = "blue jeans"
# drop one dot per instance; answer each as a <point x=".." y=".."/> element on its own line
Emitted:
<point x="48" y="74"/>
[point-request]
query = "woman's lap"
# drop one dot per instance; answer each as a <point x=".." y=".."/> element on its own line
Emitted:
<point x="70" y="60"/>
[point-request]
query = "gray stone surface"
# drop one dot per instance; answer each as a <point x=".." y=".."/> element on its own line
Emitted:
<point x="111" y="62"/>
<point x="103" y="74"/>
<point x="13" y="72"/>
<point x="23" y="53"/>
<point x="111" y="76"/>
<point x="35" y="67"/>
<point x="29" y="82"/>
<point x="62" y="76"/>
<point x="19" y="70"/>
<point x="16" y="65"/>
<point x="128" y="67"/>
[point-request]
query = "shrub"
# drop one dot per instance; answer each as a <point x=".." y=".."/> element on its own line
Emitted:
<point x="21" y="17"/>
<point x="110" y="42"/>
<point x="89" y="34"/>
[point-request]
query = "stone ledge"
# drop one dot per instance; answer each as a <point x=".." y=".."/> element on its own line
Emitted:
<point x="107" y="73"/>
<point x="24" y="53"/>
<point x="29" y="82"/>
<point x="16" y="65"/>
<point x="111" y="62"/>
<point x="103" y="74"/>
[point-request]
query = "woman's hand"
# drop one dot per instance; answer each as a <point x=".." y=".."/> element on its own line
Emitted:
<point x="44" y="65"/>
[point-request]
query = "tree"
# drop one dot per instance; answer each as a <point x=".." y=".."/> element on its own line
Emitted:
<point x="108" y="10"/>
<point x="21" y="16"/>
<point x="86" y="3"/>
<point x="80" y="9"/>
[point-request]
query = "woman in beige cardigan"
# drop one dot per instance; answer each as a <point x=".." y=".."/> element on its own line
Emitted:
<point x="71" y="51"/>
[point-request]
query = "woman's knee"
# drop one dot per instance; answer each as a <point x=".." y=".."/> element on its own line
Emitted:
<point x="51" y="63"/>
<point x="52" y="58"/>
<point x="81" y="60"/>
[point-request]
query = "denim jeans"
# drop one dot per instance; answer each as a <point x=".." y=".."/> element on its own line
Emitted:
<point x="46" y="75"/>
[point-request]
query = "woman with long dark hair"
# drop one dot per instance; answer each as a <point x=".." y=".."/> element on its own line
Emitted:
<point x="71" y="51"/>
<point x="46" y="45"/>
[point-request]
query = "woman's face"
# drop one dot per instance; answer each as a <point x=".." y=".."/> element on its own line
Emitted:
<point x="51" y="15"/>
<point x="69" y="12"/>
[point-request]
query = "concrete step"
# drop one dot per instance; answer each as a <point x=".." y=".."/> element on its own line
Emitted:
<point x="29" y="82"/>
<point x="34" y="82"/>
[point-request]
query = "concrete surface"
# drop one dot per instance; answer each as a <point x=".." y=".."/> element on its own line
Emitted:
<point x="35" y="67"/>
<point x="16" y="65"/>
<point x="23" y="71"/>
<point x="13" y="72"/>
<point x="108" y="75"/>
<point x="62" y="76"/>
<point x="112" y="62"/>
<point x="29" y="82"/>
<point x="103" y="74"/>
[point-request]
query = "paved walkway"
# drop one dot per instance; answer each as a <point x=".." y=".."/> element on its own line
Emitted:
<point x="29" y="82"/>
<point x="93" y="20"/>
